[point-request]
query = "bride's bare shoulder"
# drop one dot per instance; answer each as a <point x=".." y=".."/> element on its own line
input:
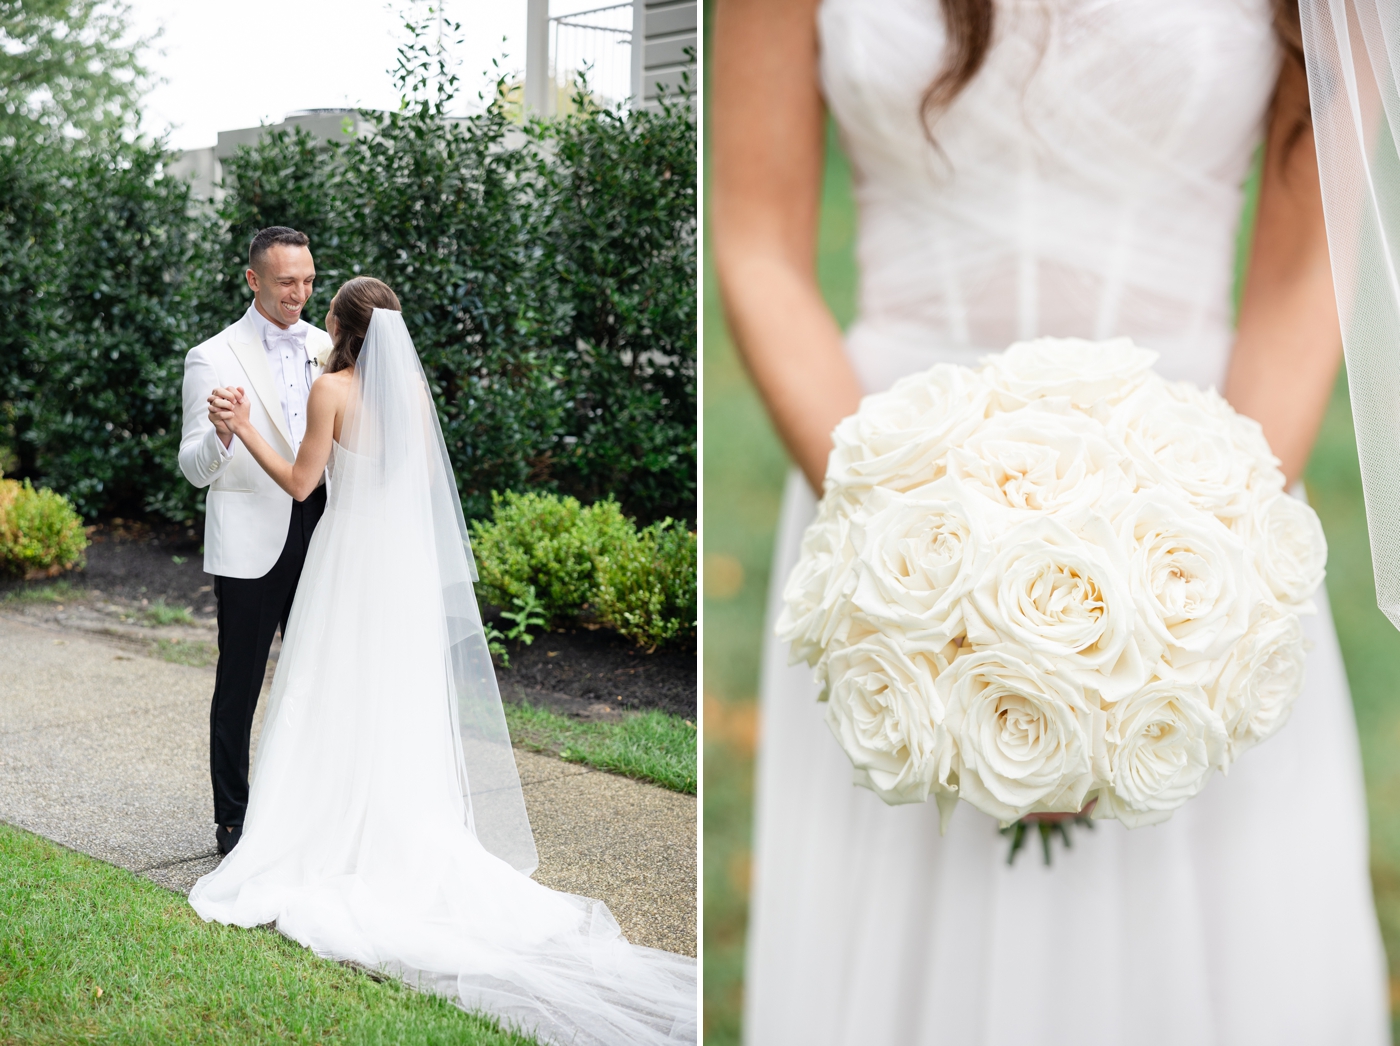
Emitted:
<point x="338" y="381"/>
<point x="332" y="389"/>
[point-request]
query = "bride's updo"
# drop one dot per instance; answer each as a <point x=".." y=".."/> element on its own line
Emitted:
<point x="352" y="307"/>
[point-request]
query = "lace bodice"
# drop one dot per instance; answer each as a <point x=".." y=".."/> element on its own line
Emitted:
<point x="1086" y="182"/>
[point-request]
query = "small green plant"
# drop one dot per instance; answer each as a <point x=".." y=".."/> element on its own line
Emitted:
<point x="526" y="615"/>
<point x="160" y="613"/>
<point x="647" y="587"/>
<point x="495" y="644"/>
<point x="40" y="533"/>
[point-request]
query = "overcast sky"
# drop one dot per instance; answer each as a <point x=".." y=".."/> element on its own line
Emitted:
<point x="237" y="63"/>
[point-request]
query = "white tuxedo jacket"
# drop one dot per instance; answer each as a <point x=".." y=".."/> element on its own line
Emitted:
<point x="246" y="513"/>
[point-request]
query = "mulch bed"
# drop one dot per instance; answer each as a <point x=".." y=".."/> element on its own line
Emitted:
<point x="132" y="561"/>
<point x="577" y="670"/>
<point x="587" y="672"/>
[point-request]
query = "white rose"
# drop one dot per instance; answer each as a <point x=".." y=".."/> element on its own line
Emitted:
<point x="1180" y="437"/>
<point x="1162" y="743"/>
<point x="1040" y="459"/>
<point x="1190" y="580"/>
<point x="1020" y="737"/>
<point x="1088" y="373"/>
<point x="1289" y="546"/>
<point x="1064" y="600"/>
<point x="1245" y="433"/>
<point x="898" y="438"/>
<point x="816" y="598"/>
<point x="323" y="354"/>
<point x="918" y="556"/>
<point x="1260" y="680"/>
<point x="884" y="710"/>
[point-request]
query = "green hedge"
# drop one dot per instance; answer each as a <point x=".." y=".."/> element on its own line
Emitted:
<point x="550" y="555"/>
<point x="547" y="272"/>
<point x="99" y="262"/>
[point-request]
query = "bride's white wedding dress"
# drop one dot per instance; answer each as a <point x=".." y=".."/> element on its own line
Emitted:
<point x="1087" y="182"/>
<point x="385" y="821"/>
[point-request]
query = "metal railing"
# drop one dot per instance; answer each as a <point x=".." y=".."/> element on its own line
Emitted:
<point x="597" y="42"/>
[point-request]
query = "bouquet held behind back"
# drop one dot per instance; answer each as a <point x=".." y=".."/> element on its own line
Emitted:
<point x="1056" y="580"/>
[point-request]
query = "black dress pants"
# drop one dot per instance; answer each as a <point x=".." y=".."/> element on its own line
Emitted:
<point x="251" y="610"/>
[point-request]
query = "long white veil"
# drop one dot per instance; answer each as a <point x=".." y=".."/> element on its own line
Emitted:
<point x="393" y="467"/>
<point x="1352" y="49"/>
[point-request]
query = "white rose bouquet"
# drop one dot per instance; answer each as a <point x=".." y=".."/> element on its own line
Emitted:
<point x="1054" y="585"/>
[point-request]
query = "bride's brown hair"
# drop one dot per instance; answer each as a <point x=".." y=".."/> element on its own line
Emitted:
<point x="970" y="24"/>
<point x="353" y="306"/>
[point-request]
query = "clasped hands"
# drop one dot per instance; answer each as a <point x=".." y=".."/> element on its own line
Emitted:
<point x="228" y="411"/>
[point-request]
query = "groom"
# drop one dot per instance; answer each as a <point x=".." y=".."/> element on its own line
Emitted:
<point x="255" y="535"/>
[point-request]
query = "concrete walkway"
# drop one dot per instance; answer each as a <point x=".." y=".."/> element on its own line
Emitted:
<point x="105" y="750"/>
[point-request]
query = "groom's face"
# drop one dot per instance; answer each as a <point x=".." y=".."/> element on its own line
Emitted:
<point x="282" y="283"/>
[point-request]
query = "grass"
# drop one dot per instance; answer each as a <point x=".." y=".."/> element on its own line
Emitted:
<point x="159" y="613"/>
<point x="649" y="746"/>
<point x="91" y="953"/>
<point x="186" y="652"/>
<point x="744" y="470"/>
<point x="62" y="591"/>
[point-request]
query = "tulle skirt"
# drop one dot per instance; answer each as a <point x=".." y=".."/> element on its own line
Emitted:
<point x="355" y="843"/>
<point x="1246" y="918"/>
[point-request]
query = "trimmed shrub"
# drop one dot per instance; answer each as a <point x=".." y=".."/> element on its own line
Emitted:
<point x="647" y="586"/>
<point x="547" y="544"/>
<point x="546" y="552"/>
<point x="39" y="531"/>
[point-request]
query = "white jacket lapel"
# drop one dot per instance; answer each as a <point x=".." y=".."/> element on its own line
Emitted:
<point x="248" y="347"/>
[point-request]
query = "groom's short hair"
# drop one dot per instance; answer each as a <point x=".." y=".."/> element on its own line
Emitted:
<point x="274" y="236"/>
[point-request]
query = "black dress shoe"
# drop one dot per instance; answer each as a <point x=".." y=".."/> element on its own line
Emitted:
<point x="227" y="837"/>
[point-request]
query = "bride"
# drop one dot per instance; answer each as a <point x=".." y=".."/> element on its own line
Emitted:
<point x="1067" y="168"/>
<point x="385" y="819"/>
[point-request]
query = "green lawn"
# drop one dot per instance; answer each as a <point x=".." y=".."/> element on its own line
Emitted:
<point x="649" y="746"/>
<point x="744" y="471"/>
<point x="90" y="953"/>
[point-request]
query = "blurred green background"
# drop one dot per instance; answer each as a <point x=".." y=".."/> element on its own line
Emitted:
<point x="744" y="469"/>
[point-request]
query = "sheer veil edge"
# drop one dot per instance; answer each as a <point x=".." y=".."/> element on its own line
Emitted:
<point x="1352" y="52"/>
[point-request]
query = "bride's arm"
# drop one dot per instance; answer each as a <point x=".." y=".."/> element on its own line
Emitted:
<point x="1289" y="341"/>
<point x="766" y="140"/>
<point x="297" y="478"/>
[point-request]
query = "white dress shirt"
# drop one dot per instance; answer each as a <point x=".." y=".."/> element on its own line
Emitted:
<point x="291" y="369"/>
